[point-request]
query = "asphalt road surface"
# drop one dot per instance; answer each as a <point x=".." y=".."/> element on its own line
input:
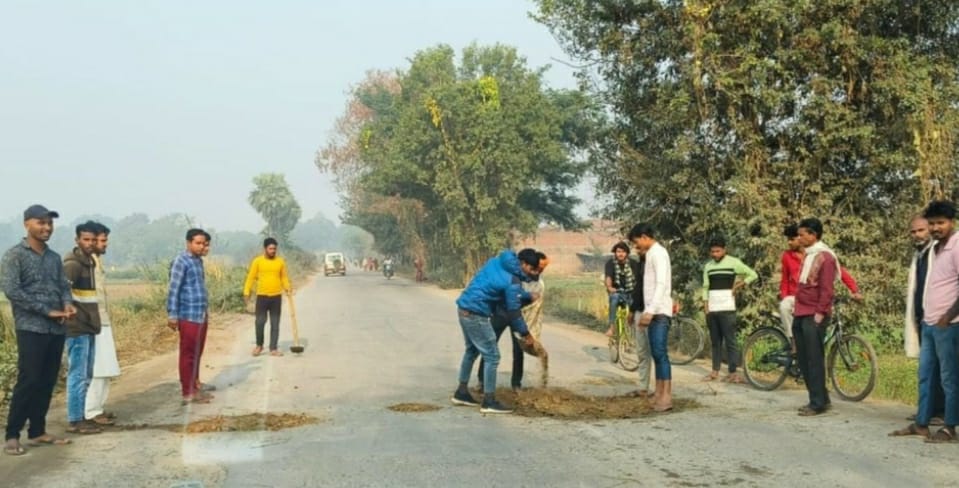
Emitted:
<point x="371" y="343"/>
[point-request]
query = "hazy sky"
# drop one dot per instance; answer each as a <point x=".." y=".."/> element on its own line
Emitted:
<point x="163" y="106"/>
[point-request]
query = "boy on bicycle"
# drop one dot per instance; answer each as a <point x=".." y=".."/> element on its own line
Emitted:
<point x="620" y="278"/>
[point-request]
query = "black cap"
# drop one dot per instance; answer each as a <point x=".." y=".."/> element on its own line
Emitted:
<point x="38" y="212"/>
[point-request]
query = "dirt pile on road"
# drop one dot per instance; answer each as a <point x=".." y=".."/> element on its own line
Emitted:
<point x="233" y="423"/>
<point x="413" y="407"/>
<point x="564" y="404"/>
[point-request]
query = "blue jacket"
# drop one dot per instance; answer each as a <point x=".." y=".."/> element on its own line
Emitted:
<point x="496" y="285"/>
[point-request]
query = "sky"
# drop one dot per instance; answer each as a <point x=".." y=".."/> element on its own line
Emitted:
<point x="162" y="106"/>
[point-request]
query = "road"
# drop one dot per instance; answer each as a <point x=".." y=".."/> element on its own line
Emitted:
<point x="371" y="343"/>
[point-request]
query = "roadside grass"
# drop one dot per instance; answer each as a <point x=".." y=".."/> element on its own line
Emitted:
<point x="581" y="299"/>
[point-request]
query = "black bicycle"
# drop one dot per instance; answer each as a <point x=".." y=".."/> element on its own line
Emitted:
<point x="850" y="359"/>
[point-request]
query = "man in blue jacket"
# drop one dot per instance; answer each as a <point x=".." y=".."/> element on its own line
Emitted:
<point x="497" y="284"/>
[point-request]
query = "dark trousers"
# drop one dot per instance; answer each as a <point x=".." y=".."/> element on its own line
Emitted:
<point x="192" y="342"/>
<point x="271" y="305"/>
<point x="38" y="365"/>
<point x="812" y="358"/>
<point x="499" y="326"/>
<point x="722" y="329"/>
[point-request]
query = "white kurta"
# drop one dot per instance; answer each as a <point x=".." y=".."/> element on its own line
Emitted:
<point x="105" y="364"/>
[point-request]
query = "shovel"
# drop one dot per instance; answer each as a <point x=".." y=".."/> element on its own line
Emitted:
<point x="296" y="348"/>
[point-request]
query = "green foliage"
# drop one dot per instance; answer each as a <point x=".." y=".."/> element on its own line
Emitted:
<point x="451" y="160"/>
<point x="272" y="198"/>
<point x="737" y="118"/>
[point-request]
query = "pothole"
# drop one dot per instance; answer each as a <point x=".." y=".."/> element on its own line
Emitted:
<point x="564" y="404"/>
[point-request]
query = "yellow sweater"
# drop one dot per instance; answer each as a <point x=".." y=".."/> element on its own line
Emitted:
<point x="270" y="276"/>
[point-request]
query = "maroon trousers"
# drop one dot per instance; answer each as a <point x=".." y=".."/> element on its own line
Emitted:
<point x="192" y="341"/>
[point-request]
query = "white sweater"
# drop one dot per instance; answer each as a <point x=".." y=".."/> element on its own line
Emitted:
<point x="658" y="282"/>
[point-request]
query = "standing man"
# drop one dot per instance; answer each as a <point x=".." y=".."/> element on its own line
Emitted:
<point x="271" y="277"/>
<point x="105" y="364"/>
<point x="657" y="309"/>
<point x="620" y="280"/>
<point x="187" y="312"/>
<point x="82" y="328"/>
<point x="814" y="298"/>
<point x="31" y="277"/>
<point x="498" y="283"/>
<point x="940" y="327"/>
<point x="723" y="276"/>
<point x="789" y="282"/>
<point x="636" y="307"/>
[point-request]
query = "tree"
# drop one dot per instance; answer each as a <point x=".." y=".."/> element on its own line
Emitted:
<point x="736" y="118"/>
<point x="274" y="201"/>
<point x="453" y="159"/>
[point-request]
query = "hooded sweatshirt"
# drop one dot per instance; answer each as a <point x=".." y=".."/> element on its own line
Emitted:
<point x="498" y="284"/>
<point x="79" y="270"/>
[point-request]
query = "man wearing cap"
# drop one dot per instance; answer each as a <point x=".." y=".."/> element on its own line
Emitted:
<point x="32" y="278"/>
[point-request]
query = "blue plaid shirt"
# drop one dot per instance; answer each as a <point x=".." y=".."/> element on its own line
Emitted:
<point x="187" y="299"/>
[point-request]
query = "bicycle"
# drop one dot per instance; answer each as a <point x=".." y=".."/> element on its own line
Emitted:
<point x="622" y="345"/>
<point x="685" y="341"/>
<point x="850" y="359"/>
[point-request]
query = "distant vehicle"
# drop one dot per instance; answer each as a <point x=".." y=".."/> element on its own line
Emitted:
<point x="334" y="263"/>
<point x="388" y="269"/>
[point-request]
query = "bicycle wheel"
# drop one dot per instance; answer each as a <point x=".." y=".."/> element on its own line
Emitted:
<point x="627" y="349"/>
<point x="765" y="357"/>
<point x="613" y="349"/>
<point x="685" y="341"/>
<point x="852" y="368"/>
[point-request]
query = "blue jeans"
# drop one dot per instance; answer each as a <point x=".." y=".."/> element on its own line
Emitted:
<point x="80" y="352"/>
<point x="939" y="346"/>
<point x="614" y="300"/>
<point x="480" y="340"/>
<point x="658" y="333"/>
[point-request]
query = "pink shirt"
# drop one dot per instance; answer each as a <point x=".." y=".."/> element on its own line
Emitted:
<point x="942" y="285"/>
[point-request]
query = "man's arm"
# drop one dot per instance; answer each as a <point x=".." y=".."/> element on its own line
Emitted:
<point x="285" y="278"/>
<point x="13" y="288"/>
<point x="251" y="277"/>
<point x="706" y="281"/>
<point x="848" y="280"/>
<point x="784" y="276"/>
<point x="177" y="272"/>
<point x="827" y="280"/>
<point x="749" y="275"/>
<point x="514" y="306"/>
<point x="660" y="263"/>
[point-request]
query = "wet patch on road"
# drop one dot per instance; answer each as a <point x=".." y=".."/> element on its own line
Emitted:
<point x="564" y="404"/>
<point x="232" y="423"/>
<point x="414" y="407"/>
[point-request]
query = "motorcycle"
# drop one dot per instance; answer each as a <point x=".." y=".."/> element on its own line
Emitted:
<point x="388" y="270"/>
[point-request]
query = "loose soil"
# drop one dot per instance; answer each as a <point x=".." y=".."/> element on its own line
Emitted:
<point x="563" y="404"/>
<point x="413" y="407"/>
<point x="537" y="350"/>
<point x="234" y="423"/>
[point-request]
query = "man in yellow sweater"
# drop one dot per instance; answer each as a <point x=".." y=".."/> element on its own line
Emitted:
<point x="269" y="273"/>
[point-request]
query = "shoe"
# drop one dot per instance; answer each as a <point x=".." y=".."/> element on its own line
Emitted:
<point x="493" y="406"/>
<point x="464" y="399"/>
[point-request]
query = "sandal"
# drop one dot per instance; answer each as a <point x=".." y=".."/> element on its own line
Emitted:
<point x="910" y="430"/>
<point x="942" y="436"/>
<point x="711" y="377"/>
<point x="276" y="352"/>
<point x="102" y="420"/>
<point x="808" y="411"/>
<point x="734" y="378"/>
<point x="257" y="351"/>
<point x="83" y="428"/>
<point x="13" y="448"/>
<point x="48" y="440"/>
<point x="200" y="398"/>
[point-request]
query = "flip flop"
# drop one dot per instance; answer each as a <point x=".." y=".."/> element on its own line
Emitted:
<point x="942" y="436"/>
<point x="638" y="394"/>
<point x="710" y="377"/>
<point x="17" y="450"/>
<point x="911" y="430"/>
<point x="48" y="440"/>
<point x="276" y="352"/>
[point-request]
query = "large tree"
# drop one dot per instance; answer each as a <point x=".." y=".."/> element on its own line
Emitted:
<point x="737" y="117"/>
<point x="455" y="158"/>
<point x="272" y="198"/>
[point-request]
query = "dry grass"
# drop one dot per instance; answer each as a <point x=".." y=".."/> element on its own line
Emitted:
<point x="235" y="423"/>
<point x="413" y="407"/>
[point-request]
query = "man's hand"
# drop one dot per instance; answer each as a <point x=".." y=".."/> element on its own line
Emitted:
<point x="857" y="297"/>
<point x="173" y="324"/>
<point x="645" y="319"/>
<point x="738" y="286"/>
<point x="246" y="299"/>
<point x="70" y="310"/>
<point x="534" y="296"/>
<point x="529" y="340"/>
<point x="818" y="318"/>
<point x="943" y="322"/>
<point x="610" y="290"/>
<point x="58" y="315"/>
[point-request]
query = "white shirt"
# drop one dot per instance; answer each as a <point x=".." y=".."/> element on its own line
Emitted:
<point x="657" y="282"/>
